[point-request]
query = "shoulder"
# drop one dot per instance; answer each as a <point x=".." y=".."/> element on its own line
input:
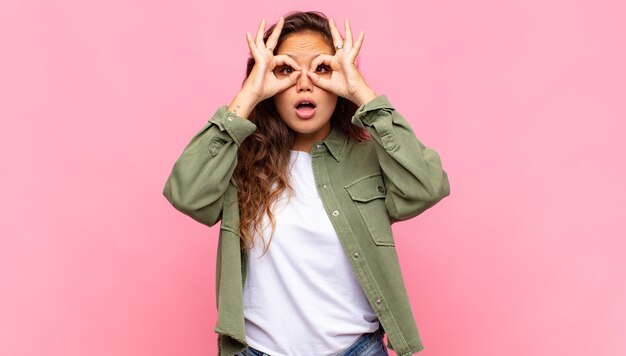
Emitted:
<point x="362" y="153"/>
<point x="364" y="146"/>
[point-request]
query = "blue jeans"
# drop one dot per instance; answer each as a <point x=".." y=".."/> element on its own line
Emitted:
<point x="370" y="344"/>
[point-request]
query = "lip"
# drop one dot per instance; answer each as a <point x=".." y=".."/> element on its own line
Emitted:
<point x="305" y="115"/>
<point x="303" y="100"/>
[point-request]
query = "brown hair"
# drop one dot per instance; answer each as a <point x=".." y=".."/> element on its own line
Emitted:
<point x="263" y="157"/>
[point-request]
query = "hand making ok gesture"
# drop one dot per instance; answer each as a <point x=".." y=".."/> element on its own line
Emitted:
<point x="345" y="79"/>
<point x="262" y="83"/>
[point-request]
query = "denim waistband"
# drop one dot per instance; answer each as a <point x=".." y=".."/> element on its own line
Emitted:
<point x="361" y="344"/>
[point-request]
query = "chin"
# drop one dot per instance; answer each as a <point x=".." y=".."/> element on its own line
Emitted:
<point x="308" y="126"/>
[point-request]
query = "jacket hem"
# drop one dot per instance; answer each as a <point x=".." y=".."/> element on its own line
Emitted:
<point x="409" y="352"/>
<point x="220" y="336"/>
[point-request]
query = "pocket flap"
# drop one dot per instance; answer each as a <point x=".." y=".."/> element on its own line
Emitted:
<point x="367" y="188"/>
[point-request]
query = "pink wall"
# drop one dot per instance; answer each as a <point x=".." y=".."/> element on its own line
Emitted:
<point x="524" y="101"/>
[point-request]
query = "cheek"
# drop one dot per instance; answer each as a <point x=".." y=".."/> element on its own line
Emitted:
<point x="280" y="102"/>
<point x="330" y="102"/>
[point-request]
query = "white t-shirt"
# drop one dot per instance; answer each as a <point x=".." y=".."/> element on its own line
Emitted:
<point x="302" y="297"/>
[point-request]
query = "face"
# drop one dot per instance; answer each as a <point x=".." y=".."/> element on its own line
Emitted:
<point x="310" y="122"/>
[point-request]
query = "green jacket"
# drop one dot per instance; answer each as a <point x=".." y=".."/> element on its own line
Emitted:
<point x="364" y="186"/>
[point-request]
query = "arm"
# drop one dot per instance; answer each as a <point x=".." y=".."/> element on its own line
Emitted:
<point x="412" y="172"/>
<point x="203" y="171"/>
<point x="413" y="175"/>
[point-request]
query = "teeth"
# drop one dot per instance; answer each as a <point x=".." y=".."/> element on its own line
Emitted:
<point x="305" y="103"/>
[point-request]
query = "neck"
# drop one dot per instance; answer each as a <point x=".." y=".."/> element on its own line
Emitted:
<point x="304" y="142"/>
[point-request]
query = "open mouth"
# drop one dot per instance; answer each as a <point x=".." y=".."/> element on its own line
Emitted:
<point x="305" y="109"/>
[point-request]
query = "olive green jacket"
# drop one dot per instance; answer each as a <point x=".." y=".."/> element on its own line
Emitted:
<point x="364" y="186"/>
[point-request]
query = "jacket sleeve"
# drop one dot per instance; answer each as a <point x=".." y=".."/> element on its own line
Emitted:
<point x="200" y="176"/>
<point x="413" y="175"/>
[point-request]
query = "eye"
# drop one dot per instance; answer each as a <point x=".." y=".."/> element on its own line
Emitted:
<point x="322" y="68"/>
<point x="285" y="69"/>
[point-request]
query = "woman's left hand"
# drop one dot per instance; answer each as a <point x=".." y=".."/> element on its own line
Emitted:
<point x="345" y="79"/>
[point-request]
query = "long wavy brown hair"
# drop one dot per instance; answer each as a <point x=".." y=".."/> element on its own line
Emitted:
<point x="261" y="174"/>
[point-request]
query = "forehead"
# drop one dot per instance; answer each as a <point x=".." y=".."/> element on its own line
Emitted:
<point x="304" y="45"/>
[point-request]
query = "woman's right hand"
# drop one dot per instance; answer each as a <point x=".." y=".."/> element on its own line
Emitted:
<point x="262" y="83"/>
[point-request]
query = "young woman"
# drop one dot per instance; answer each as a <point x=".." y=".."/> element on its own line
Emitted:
<point x="306" y="169"/>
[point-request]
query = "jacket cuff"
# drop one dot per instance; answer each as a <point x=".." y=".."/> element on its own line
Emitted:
<point x="236" y="126"/>
<point x="361" y="117"/>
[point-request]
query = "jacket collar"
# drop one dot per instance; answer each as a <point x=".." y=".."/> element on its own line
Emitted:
<point x="335" y="141"/>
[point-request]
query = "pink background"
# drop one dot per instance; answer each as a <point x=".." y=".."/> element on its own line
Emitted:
<point x="524" y="101"/>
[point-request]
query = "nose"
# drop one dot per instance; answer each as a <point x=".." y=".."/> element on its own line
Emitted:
<point x="304" y="82"/>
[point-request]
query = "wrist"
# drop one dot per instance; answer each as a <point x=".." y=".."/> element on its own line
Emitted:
<point x="243" y="103"/>
<point x="364" y="96"/>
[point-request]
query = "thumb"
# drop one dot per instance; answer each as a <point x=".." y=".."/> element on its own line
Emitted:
<point x="319" y="81"/>
<point x="285" y="83"/>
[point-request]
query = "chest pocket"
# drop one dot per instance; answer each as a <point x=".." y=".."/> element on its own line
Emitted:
<point x="368" y="193"/>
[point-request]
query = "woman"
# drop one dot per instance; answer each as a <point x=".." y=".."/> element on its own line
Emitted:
<point x="306" y="169"/>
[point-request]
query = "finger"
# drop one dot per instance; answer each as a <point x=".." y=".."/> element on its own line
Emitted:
<point x="348" y="44"/>
<point x="293" y="77"/>
<point x="273" y="39"/>
<point x="318" y="81"/>
<point x="337" y="40"/>
<point x="287" y="82"/>
<point x="285" y="59"/>
<point x="359" y="43"/>
<point x="259" y="34"/>
<point x="251" y="44"/>
<point x="320" y="59"/>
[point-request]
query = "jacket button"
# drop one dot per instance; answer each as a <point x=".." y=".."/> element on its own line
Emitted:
<point x="378" y="301"/>
<point x="324" y="186"/>
<point x="381" y="189"/>
<point x="355" y="254"/>
<point x="335" y="213"/>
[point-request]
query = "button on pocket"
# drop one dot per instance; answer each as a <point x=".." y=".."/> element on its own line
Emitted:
<point x="368" y="193"/>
